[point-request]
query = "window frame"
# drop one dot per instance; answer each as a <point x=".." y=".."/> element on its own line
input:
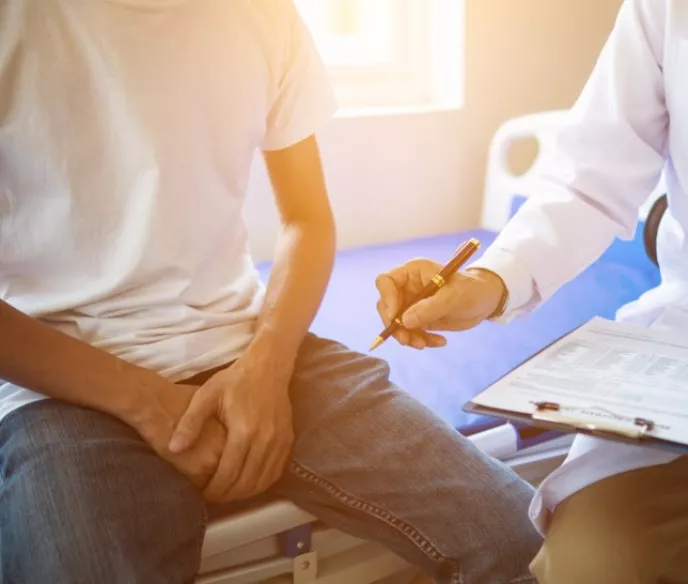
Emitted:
<point x="424" y="68"/>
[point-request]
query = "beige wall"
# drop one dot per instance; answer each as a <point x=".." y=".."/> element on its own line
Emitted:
<point x="395" y="177"/>
<point x="527" y="56"/>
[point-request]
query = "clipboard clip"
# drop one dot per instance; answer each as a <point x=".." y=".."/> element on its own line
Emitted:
<point x="552" y="412"/>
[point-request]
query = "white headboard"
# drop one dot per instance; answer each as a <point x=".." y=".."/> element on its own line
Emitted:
<point x="501" y="185"/>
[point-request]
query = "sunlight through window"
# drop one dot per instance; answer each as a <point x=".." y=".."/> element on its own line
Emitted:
<point x="390" y="54"/>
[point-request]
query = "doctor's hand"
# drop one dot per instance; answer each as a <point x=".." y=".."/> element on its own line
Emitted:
<point x="467" y="299"/>
<point x="252" y="402"/>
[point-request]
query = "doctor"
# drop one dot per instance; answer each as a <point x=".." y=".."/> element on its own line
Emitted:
<point x="613" y="514"/>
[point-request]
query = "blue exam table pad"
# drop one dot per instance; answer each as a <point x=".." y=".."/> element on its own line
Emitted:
<point x="445" y="379"/>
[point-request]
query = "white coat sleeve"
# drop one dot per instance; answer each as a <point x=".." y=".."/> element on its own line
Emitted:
<point x="608" y="159"/>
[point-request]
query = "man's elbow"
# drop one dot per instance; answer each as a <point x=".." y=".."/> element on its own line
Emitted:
<point x="318" y="225"/>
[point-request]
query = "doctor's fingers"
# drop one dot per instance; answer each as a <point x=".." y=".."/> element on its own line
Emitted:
<point x="439" y="307"/>
<point x="391" y="297"/>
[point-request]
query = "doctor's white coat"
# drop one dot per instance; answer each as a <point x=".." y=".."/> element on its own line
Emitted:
<point x="628" y="126"/>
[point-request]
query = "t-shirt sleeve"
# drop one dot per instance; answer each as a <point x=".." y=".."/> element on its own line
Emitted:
<point x="303" y="99"/>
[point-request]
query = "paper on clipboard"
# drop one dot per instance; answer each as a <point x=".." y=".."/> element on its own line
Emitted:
<point x="607" y="371"/>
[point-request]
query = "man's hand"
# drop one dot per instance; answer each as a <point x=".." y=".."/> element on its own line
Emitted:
<point x="198" y="463"/>
<point x="465" y="301"/>
<point x="252" y="402"/>
<point x="251" y="397"/>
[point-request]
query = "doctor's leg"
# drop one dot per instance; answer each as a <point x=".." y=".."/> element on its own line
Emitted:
<point x="631" y="528"/>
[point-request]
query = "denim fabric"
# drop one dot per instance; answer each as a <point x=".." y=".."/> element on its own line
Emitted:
<point x="84" y="500"/>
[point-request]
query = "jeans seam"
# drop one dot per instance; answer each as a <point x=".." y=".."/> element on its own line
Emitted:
<point x="405" y="529"/>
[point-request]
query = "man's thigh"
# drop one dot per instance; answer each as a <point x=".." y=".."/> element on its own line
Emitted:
<point x="631" y="528"/>
<point x="84" y="499"/>
<point x="370" y="459"/>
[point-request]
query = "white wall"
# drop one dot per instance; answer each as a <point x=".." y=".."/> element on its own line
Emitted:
<point x="389" y="178"/>
<point x="396" y="177"/>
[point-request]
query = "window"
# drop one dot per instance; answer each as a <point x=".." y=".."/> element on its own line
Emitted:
<point x="390" y="54"/>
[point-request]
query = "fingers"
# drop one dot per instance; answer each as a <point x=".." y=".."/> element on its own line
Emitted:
<point x="419" y="339"/>
<point x="273" y="469"/>
<point x="413" y="274"/>
<point x="427" y="312"/>
<point x="390" y="298"/>
<point x="456" y="307"/>
<point x="435" y="341"/>
<point x="190" y="425"/>
<point x="400" y="335"/>
<point x="404" y="337"/>
<point x="251" y="468"/>
<point x="396" y="286"/>
<point x="401" y="282"/>
<point x="423" y="340"/>
<point x="263" y="468"/>
<point x="231" y="464"/>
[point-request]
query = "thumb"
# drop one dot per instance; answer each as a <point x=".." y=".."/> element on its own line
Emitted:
<point x="423" y="314"/>
<point x="191" y="423"/>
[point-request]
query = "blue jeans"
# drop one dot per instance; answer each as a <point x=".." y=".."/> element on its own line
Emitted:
<point x="84" y="500"/>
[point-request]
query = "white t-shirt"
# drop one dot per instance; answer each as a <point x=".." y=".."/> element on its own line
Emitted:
<point x="127" y="132"/>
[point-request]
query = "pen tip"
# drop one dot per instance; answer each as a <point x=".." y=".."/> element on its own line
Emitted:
<point x="376" y="343"/>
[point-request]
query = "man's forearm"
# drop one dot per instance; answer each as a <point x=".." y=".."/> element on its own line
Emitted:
<point x="39" y="358"/>
<point x="296" y="288"/>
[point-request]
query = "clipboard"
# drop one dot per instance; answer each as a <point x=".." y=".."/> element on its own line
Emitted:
<point x="561" y="418"/>
<point x="568" y="425"/>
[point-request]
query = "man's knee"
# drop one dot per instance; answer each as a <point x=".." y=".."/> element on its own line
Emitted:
<point x="104" y="510"/>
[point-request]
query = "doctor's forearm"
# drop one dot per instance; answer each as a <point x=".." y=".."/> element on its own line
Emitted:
<point x="552" y="242"/>
<point x="604" y="161"/>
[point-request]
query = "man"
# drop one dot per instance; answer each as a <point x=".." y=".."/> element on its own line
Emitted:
<point x="613" y="514"/>
<point x="127" y="130"/>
